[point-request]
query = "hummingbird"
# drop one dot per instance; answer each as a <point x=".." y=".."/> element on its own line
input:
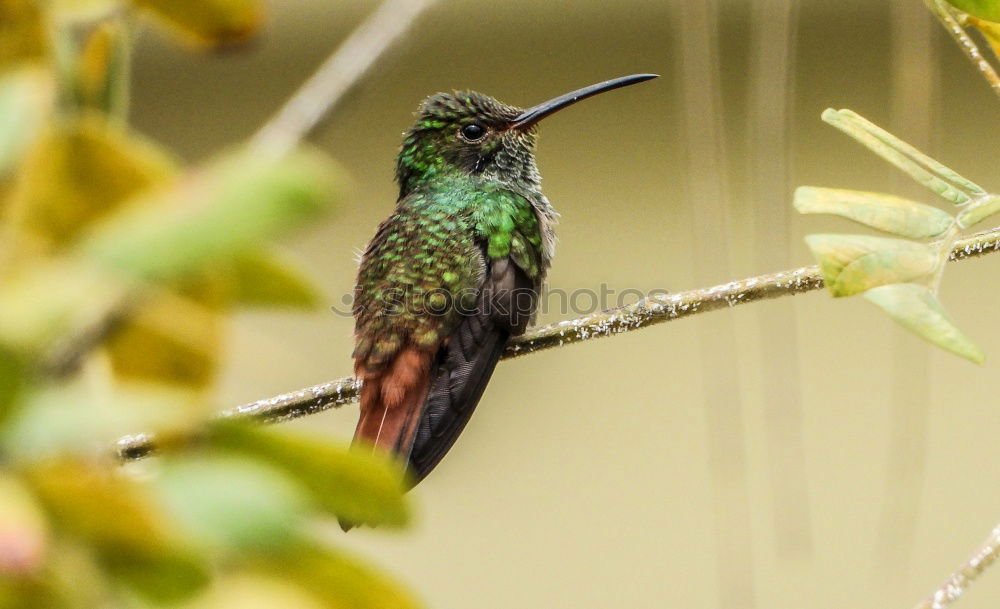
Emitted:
<point x="454" y="272"/>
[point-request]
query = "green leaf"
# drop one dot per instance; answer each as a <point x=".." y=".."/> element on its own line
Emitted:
<point x="209" y="22"/>
<point x="336" y="579"/>
<point x="852" y="264"/>
<point x="984" y="9"/>
<point x="13" y="374"/>
<point x="24" y="534"/>
<point x="264" y="279"/>
<point x="26" y="96"/>
<point x="941" y="180"/>
<point x="979" y="211"/>
<point x="917" y="309"/>
<point x="231" y="503"/>
<point x="215" y="215"/>
<point x="360" y="487"/>
<point x="133" y="541"/>
<point x="883" y="212"/>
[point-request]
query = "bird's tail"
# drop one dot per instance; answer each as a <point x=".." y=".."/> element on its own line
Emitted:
<point x="392" y="400"/>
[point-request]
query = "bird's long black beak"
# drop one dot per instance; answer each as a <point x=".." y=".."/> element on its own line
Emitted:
<point x="532" y="115"/>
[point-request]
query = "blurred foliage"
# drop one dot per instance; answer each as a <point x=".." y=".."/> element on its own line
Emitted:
<point x="900" y="276"/>
<point x="119" y="267"/>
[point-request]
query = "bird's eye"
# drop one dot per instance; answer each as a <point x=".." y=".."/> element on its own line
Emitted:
<point x="473" y="132"/>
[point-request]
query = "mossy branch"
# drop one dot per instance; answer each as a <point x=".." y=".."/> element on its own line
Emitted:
<point x="957" y="583"/>
<point x="648" y="312"/>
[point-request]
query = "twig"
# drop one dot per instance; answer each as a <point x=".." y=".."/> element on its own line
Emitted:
<point x="341" y="70"/>
<point x="960" y="580"/>
<point x="946" y="16"/>
<point x="660" y="309"/>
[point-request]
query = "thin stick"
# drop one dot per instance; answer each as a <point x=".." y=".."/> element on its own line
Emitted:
<point x="341" y="71"/>
<point x="946" y="16"/>
<point x="960" y="580"/>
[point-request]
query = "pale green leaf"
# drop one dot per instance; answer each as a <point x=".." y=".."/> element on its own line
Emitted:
<point x="83" y="417"/>
<point x="357" y="486"/>
<point x="984" y="9"/>
<point x="883" y="212"/>
<point x="26" y="96"/>
<point x="217" y="214"/>
<point x="919" y="311"/>
<point x="941" y="180"/>
<point x="852" y="264"/>
<point x="237" y="504"/>
<point x="979" y="211"/>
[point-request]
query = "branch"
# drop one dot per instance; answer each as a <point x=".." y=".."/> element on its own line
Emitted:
<point x="645" y="313"/>
<point x="947" y="16"/>
<point x="961" y="579"/>
<point x="341" y="70"/>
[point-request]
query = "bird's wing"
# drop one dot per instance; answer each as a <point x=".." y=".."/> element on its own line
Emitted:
<point x="467" y="359"/>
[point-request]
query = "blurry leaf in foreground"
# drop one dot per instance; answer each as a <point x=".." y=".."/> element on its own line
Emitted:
<point x="43" y="303"/>
<point x="210" y="22"/>
<point x="93" y="503"/>
<point x="172" y="338"/>
<point x="852" y="264"/>
<point x="232" y="503"/>
<point x="23" y="529"/>
<point x="102" y="69"/>
<point x="26" y="97"/>
<point x="337" y="580"/>
<point x="12" y="383"/>
<point x="984" y="9"/>
<point x="919" y="311"/>
<point x="264" y="279"/>
<point x="979" y="211"/>
<point x="359" y="487"/>
<point x="884" y="212"/>
<point x="79" y="172"/>
<point x="79" y="419"/>
<point x="256" y="592"/>
<point x="215" y="215"/>
<point x="22" y="32"/>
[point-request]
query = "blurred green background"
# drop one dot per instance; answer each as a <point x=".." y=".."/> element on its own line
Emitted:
<point x="588" y="477"/>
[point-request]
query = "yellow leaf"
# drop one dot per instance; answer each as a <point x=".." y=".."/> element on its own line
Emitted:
<point x="264" y="279"/>
<point x="852" y="264"/>
<point x="22" y="32"/>
<point x="77" y="173"/>
<point x="209" y="22"/>
<point x="95" y="504"/>
<point x="172" y="338"/>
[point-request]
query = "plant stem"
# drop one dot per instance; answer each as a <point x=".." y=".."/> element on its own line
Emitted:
<point x="341" y="71"/>
<point x="946" y="16"/>
<point x="962" y="578"/>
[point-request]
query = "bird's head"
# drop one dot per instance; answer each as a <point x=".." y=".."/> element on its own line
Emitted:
<point x="468" y="133"/>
